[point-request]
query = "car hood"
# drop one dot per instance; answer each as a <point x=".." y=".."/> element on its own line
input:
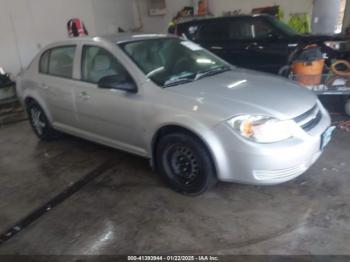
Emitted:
<point x="241" y="91"/>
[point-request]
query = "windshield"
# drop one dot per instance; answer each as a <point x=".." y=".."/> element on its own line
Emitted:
<point x="172" y="61"/>
<point x="283" y="27"/>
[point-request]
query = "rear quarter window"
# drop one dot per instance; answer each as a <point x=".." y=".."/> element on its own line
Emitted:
<point x="44" y="62"/>
<point x="58" y="61"/>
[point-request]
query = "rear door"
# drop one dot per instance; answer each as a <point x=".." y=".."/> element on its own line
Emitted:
<point x="231" y="39"/>
<point x="213" y="35"/>
<point x="57" y="84"/>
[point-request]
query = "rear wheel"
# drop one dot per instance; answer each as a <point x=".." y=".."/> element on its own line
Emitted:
<point x="186" y="164"/>
<point x="40" y="123"/>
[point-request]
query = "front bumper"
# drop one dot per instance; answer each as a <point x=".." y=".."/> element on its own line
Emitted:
<point x="243" y="161"/>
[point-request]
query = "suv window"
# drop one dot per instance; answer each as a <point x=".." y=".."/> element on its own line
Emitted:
<point x="250" y="29"/>
<point x="58" y="61"/>
<point x="98" y="63"/>
<point x="241" y="30"/>
<point x="190" y="31"/>
<point x="214" y="31"/>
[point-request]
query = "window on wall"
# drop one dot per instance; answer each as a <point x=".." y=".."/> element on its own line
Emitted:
<point x="98" y="63"/>
<point x="58" y="62"/>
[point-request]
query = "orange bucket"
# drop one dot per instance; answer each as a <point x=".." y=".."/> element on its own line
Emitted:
<point x="308" y="73"/>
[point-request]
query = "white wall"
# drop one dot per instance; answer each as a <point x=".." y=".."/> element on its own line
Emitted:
<point x="325" y="16"/>
<point x="111" y="14"/>
<point x="9" y="57"/>
<point x="217" y="7"/>
<point x="347" y="16"/>
<point x="159" y="23"/>
<point x="28" y="25"/>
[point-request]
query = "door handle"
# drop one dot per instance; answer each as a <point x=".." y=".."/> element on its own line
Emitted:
<point x="254" y="46"/>
<point x="84" y="96"/>
<point x="216" y="48"/>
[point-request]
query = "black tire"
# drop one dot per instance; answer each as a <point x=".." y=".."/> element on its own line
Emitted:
<point x="185" y="163"/>
<point x="40" y="123"/>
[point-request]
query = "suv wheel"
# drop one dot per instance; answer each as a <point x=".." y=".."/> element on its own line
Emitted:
<point x="185" y="163"/>
<point x="40" y="123"/>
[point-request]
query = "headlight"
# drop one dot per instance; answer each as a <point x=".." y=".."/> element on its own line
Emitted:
<point x="262" y="129"/>
<point x="337" y="45"/>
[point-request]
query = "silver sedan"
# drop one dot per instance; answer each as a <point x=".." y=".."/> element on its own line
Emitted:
<point x="197" y="118"/>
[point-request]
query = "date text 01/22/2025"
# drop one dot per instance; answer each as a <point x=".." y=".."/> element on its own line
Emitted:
<point x="173" y="258"/>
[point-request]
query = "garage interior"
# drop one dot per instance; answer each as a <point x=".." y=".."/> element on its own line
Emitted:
<point x="74" y="197"/>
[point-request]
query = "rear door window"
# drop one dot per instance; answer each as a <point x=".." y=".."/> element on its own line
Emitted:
<point x="58" y="61"/>
<point x="250" y="29"/>
<point x="263" y="30"/>
<point x="241" y="29"/>
<point x="214" y="31"/>
<point x="62" y="61"/>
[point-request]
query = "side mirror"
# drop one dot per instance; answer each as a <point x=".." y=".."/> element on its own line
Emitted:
<point x="119" y="83"/>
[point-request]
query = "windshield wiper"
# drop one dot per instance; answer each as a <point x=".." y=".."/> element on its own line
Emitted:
<point x="178" y="81"/>
<point x="212" y="71"/>
<point x="155" y="71"/>
<point x="199" y="75"/>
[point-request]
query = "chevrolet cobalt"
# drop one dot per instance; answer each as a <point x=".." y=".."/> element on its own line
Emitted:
<point x="197" y="118"/>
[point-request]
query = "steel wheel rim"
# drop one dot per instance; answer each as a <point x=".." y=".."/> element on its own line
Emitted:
<point x="37" y="120"/>
<point x="183" y="164"/>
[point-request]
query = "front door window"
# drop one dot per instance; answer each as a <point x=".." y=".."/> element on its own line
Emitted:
<point x="98" y="63"/>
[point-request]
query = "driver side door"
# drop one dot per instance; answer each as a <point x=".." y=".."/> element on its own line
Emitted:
<point x="108" y="116"/>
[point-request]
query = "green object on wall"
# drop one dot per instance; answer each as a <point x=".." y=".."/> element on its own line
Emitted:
<point x="300" y="22"/>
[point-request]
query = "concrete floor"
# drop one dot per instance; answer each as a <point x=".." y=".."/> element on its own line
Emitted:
<point x="128" y="210"/>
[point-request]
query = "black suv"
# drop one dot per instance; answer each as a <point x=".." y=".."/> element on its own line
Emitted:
<point x="257" y="42"/>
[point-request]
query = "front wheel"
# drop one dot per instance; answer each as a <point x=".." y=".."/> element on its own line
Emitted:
<point x="40" y="123"/>
<point x="186" y="164"/>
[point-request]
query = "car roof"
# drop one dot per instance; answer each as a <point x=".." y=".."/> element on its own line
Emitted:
<point x="129" y="37"/>
<point x="115" y="38"/>
<point x="206" y="18"/>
